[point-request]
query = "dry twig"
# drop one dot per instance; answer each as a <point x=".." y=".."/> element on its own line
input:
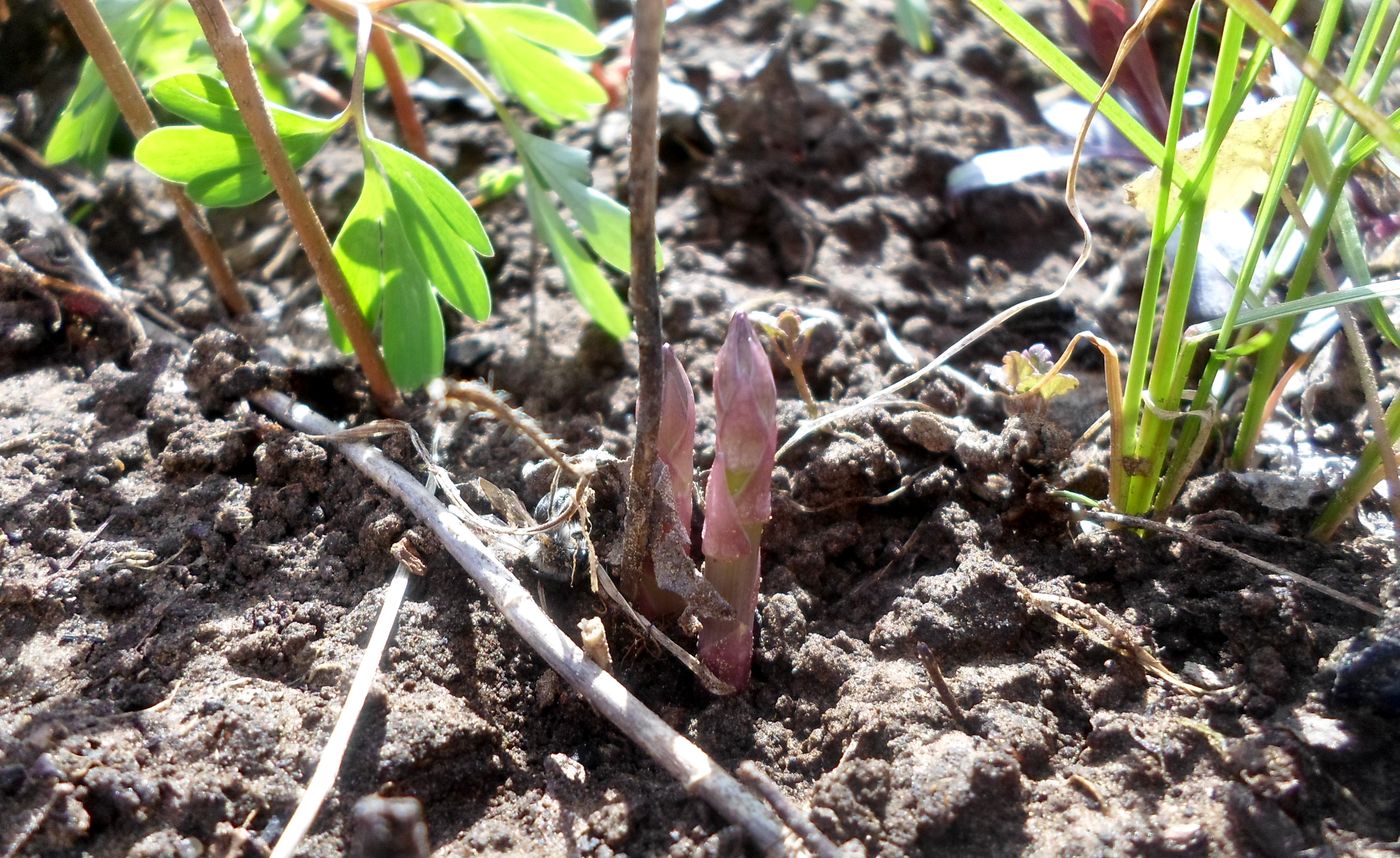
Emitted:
<point x="697" y="773"/>
<point x="642" y="291"/>
<point x="795" y="817"/>
<point x="328" y="767"/>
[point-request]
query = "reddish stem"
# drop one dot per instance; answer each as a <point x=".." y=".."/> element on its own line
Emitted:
<point x="414" y="138"/>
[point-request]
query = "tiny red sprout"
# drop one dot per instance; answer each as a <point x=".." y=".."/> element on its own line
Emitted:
<point x="676" y="435"/>
<point x="675" y="442"/>
<point x="738" y="497"/>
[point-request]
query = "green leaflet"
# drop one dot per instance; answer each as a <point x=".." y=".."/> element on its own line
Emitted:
<point x="413" y="336"/>
<point x="84" y="128"/>
<point x="914" y="24"/>
<point x="493" y="184"/>
<point x="160" y="37"/>
<point x="216" y="159"/>
<point x="604" y="222"/>
<point x="359" y="250"/>
<point x="410" y="234"/>
<point x="587" y="282"/>
<point x="207" y="101"/>
<point x="518" y="39"/>
<point x="387" y="283"/>
<point x="440" y="228"/>
<point x="217" y="169"/>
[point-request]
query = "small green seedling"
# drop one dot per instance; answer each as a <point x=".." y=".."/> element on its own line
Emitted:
<point x="912" y="21"/>
<point x="412" y="236"/>
<point x="791" y="336"/>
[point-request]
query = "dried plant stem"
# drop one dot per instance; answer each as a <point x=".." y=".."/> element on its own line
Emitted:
<point x="415" y="139"/>
<point x="677" y="754"/>
<point x="1374" y="410"/>
<point x="795" y="817"/>
<point x="98" y="42"/>
<point x="642" y="290"/>
<point x="231" y="51"/>
<point x="935" y="673"/>
<point x="1220" y="547"/>
<point x="328" y="767"/>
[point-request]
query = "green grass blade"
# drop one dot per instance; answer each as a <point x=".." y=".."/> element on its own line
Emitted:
<point x="1301" y="306"/>
<point x="1366" y="116"/>
<point x="1067" y="70"/>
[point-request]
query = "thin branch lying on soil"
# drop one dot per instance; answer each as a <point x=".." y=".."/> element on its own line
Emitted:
<point x="107" y="57"/>
<point x="793" y="815"/>
<point x="1107" y="632"/>
<point x="648" y="22"/>
<point x="231" y="52"/>
<point x="323" y="779"/>
<point x="1106" y="517"/>
<point x="697" y="773"/>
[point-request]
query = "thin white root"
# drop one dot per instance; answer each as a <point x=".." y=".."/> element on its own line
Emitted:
<point x="328" y="767"/>
<point x="678" y="755"/>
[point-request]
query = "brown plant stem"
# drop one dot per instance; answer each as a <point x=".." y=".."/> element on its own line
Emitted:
<point x="98" y="42"/>
<point x="414" y="137"/>
<point x="231" y="52"/>
<point x="642" y="290"/>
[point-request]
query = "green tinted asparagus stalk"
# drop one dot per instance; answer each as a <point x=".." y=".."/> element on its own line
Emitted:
<point x="738" y="497"/>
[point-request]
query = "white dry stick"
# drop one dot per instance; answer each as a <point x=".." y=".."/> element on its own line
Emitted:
<point x="323" y="779"/>
<point x="697" y="773"/>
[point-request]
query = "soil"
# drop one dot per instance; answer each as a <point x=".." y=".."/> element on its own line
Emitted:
<point x="187" y="586"/>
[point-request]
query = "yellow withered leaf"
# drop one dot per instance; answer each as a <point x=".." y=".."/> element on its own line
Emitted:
<point x="1243" y="164"/>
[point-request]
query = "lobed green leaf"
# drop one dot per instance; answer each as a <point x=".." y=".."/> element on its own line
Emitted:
<point x="389" y="285"/>
<point x="359" y="250"/>
<point x="587" y="282"/>
<point x="439" y="227"/>
<point x="604" y="222"/>
<point x="84" y="128"/>
<point x="207" y="101"/>
<point x="413" y="336"/>
<point x="217" y="169"/>
<point x="519" y="43"/>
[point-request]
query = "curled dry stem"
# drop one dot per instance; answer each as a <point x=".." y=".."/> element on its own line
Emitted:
<point x="1107" y="632"/>
<point x="1113" y="383"/>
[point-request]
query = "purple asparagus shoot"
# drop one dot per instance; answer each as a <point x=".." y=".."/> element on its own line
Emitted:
<point x="738" y="497"/>
<point x="675" y="450"/>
